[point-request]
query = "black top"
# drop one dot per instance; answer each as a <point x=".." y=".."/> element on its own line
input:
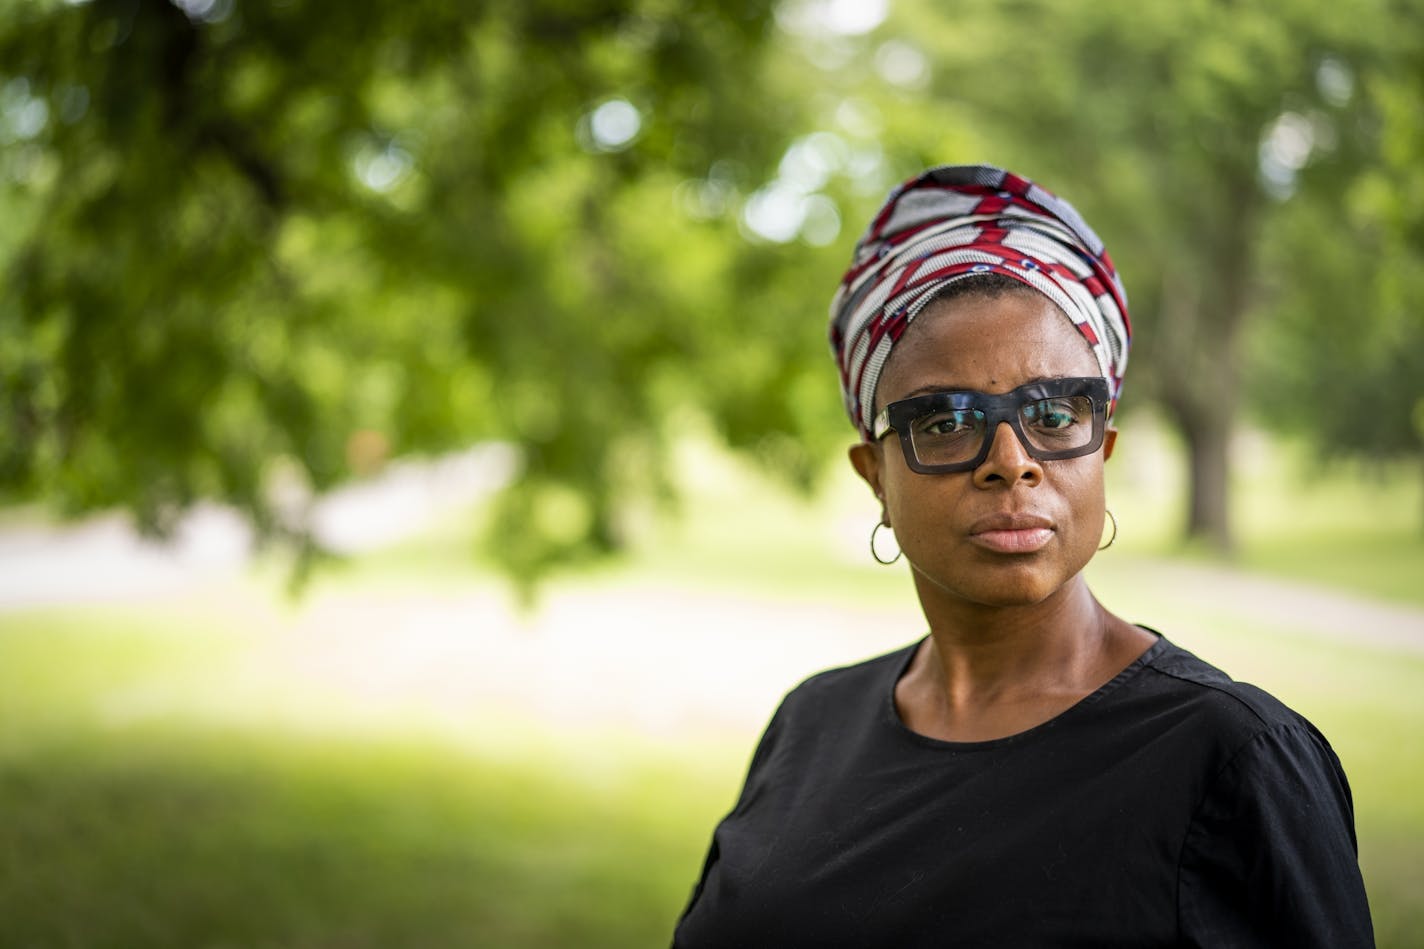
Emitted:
<point x="1171" y="807"/>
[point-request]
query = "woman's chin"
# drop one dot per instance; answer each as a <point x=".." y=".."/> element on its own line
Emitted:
<point x="1025" y="584"/>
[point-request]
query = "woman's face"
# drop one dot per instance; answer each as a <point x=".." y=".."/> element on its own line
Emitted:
<point x="1014" y="530"/>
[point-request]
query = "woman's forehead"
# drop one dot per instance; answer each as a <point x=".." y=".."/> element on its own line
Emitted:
<point x="989" y="343"/>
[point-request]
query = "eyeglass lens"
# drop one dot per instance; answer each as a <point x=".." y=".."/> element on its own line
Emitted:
<point x="955" y="435"/>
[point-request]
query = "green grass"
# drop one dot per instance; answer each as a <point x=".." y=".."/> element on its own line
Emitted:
<point x="165" y="829"/>
<point x="164" y="783"/>
<point x="147" y="804"/>
<point x="222" y="840"/>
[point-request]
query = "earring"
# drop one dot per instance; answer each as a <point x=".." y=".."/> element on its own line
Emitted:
<point x="1114" y="533"/>
<point x="875" y="553"/>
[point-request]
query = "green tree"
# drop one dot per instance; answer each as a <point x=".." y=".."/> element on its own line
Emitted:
<point x="251" y="242"/>
<point x="1163" y="123"/>
<point x="259" y="237"/>
<point x="1342" y="358"/>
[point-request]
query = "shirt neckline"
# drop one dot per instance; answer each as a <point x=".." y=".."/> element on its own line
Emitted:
<point x="897" y="724"/>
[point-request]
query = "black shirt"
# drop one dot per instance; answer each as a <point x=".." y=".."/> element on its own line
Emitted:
<point x="1171" y="807"/>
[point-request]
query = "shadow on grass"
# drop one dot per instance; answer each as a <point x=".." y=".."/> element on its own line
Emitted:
<point x="210" y="840"/>
<point x="194" y="841"/>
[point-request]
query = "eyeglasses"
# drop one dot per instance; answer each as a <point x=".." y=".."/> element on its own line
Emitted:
<point x="952" y="431"/>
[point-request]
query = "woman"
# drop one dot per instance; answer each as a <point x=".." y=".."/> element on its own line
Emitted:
<point x="1036" y="771"/>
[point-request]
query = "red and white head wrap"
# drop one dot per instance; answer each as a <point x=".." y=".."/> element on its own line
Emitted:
<point x="953" y="222"/>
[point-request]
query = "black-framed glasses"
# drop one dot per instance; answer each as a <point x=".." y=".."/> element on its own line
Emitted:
<point x="952" y="431"/>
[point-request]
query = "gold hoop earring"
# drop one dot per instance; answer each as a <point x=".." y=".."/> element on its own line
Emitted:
<point x="1109" y="513"/>
<point x="875" y="553"/>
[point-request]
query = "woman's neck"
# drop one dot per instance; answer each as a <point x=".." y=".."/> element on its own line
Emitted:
<point x="991" y="671"/>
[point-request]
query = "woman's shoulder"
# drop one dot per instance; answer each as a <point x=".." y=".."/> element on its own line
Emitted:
<point x="1270" y="846"/>
<point x="1236" y="710"/>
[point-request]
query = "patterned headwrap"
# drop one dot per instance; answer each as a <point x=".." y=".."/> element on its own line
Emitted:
<point x="955" y="221"/>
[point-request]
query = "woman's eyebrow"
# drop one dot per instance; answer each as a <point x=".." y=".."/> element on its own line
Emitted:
<point x="933" y="389"/>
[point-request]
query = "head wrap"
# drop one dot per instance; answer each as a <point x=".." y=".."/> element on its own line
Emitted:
<point x="955" y="221"/>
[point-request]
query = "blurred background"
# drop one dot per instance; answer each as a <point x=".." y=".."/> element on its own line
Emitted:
<point x="422" y="468"/>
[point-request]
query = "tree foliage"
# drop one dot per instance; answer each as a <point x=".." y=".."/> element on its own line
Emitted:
<point x="1342" y="359"/>
<point x="252" y="244"/>
<point x="1189" y="133"/>
<point x="269" y="238"/>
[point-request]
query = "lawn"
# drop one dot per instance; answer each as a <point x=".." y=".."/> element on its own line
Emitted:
<point x="155" y="796"/>
<point x="224" y="769"/>
<point x="140" y="809"/>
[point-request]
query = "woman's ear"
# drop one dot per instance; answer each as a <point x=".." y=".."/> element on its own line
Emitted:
<point x="865" y="458"/>
<point x="1109" y="440"/>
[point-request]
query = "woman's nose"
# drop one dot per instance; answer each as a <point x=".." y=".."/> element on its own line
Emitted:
<point x="1008" y="461"/>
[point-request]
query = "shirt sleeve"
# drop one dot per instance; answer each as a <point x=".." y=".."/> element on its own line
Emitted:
<point x="1270" y="858"/>
<point x="751" y="786"/>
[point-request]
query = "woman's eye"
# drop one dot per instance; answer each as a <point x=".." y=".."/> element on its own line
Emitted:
<point x="948" y="423"/>
<point x="1051" y="414"/>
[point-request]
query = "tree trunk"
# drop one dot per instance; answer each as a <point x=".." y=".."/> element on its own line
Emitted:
<point x="1208" y="439"/>
<point x="1196" y="382"/>
<point x="1205" y="302"/>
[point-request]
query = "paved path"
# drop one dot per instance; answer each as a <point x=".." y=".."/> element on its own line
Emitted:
<point x="1284" y="604"/>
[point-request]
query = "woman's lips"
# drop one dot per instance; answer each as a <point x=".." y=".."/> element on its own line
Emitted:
<point x="1024" y="541"/>
<point x="1012" y="533"/>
